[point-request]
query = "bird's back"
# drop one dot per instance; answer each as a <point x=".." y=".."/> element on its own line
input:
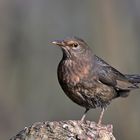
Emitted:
<point x="112" y="77"/>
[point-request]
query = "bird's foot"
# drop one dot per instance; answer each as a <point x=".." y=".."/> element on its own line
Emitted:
<point x="84" y="116"/>
<point x="101" y="127"/>
<point x="83" y="119"/>
<point x="101" y="117"/>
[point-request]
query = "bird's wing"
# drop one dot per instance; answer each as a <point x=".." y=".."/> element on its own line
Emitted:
<point x="110" y="76"/>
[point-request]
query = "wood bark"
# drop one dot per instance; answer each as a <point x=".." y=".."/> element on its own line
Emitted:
<point x="66" y="130"/>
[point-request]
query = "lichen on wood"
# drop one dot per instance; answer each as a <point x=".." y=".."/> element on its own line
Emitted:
<point x="66" y="130"/>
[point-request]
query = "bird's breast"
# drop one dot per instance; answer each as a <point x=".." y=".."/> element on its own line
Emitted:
<point x="71" y="72"/>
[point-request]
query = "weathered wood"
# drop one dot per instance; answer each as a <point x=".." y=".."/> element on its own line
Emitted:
<point x="66" y="130"/>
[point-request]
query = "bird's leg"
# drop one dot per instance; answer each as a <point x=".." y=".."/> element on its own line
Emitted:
<point x="101" y="116"/>
<point x="83" y="117"/>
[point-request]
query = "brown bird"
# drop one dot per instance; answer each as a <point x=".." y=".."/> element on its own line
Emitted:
<point x="87" y="79"/>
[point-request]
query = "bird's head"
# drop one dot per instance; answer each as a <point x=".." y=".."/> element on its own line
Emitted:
<point x="72" y="47"/>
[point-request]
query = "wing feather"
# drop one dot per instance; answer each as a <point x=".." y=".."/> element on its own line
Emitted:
<point x="110" y="76"/>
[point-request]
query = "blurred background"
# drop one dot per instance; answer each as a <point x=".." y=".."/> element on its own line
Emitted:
<point x="29" y="90"/>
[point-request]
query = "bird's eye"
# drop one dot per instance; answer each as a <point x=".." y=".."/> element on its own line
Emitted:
<point x="75" y="45"/>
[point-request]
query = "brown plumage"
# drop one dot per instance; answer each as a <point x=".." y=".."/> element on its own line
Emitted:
<point x="87" y="79"/>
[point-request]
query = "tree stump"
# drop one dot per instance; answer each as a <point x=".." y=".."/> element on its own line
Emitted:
<point x="66" y="130"/>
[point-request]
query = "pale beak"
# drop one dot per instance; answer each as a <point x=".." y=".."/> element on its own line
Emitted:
<point x="59" y="43"/>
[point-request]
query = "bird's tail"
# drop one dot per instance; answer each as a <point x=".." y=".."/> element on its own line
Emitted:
<point x="133" y="78"/>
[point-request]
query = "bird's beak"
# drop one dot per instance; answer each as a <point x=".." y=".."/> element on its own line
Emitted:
<point x="58" y="43"/>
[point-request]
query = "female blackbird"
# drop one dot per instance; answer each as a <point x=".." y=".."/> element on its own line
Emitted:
<point x="87" y="79"/>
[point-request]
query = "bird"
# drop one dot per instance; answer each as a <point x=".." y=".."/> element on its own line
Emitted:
<point x="88" y="80"/>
